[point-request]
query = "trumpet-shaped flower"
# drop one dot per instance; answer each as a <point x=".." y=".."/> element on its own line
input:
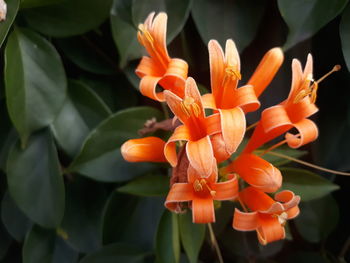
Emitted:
<point x="196" y="129"/>
<point x="201" y="192"/>
<point x="148" y="149"/>
<point x="268" y="216"/>
<point x="159" y="68"/>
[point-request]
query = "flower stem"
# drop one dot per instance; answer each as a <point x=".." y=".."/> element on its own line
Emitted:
<point x="251" y="126"/>
<point x="215" y="243"/>
<point x="308" y="164"/>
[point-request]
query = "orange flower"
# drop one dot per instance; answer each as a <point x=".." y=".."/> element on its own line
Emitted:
<point x="291" y="113"/>
<point x="196" y="129"/>
<point x="257" y="172"/>
<point x="148" y="149"/>
<point x="159" y="68"/>
<point x="268" y="216"/>
<point x="201" y="192"/>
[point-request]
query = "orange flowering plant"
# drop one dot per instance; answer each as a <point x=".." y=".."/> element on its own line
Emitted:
<point x="206" y="131"/>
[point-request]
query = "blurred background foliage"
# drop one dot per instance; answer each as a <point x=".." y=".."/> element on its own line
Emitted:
<point x="69" y="99"/>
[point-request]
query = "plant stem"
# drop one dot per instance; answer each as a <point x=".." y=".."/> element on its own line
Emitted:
<point x="308" y="164"/>
<point x="215" y="243"/>
<point x="251" y="126"/>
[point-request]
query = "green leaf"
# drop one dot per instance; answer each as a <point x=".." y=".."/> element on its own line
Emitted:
<point x="16" y="223"/>
<point x="344" y="30"/>
<point x="286" y="150"/>
<point x="12" y="9"/>
<point x="42" y="245"/>
<point x="226" y="19"/>
<point x="148" y="185"/>
<point x="100" y="157"/>
<point x="168" y="239"/>
<point x="35" y="181"/>
<point x="5" y="242"/>
<point x="35" y="81"/>
<point x="192" y="236"/>
<point x="87" y="55"/>
<point x="126" y="15"/>
<point x="305" y="17"/>
<point x="118" y="252"/>
<point x="82" y="218"/>
<point x="82" y="110"/>
<point x="318" y="218"/>
<point x="36" y="3"/>
<point x="306" y="184"/>
<point x="68" y="18"/>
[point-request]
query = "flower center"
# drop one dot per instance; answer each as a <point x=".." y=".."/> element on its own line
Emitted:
<point x="232" y="73"/>
<point x="282" y="218"/>
<point x="202" y="186"/>
<point x="310" y="86"/>
<point x="190" y="108"/>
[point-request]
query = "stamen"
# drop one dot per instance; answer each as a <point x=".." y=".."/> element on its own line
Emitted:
<point x="311" y="90"/>
<point x="198" y="186"/>
<point x="231" y="72"/>
<point x="144" y="31"/>
<point x="212" y="192"/>
<point x="189" y="107"/>
<point x="282" y="218"/>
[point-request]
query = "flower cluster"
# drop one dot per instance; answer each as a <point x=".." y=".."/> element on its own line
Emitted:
<point x="201" y="141"/>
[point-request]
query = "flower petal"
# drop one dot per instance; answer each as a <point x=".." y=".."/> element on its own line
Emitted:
<point x="148" y="86"/>
<point x="219" y="148"/>
<point x="288" y="199"/>
<point x="245" y="221"/>
<point x="308" y="132"/>
<point x="203" y="210"/>
<point x="270" y="229"/>
<point x="301" y="110"/>
<point x="175" y="77"/>
<point x="149" y="149"/>
<point x="233" y="127"/>
<point x="213" y="124"/>
<point x="208" y="101"/>
<point x="191" y="90"/>
<point x="293" y="212"/>
<point x="159" y="27"/>
<point x="179" y="192"/>
<point x="174" y="103"/>
<point x="266" y="70"/>
<point x="201" y="156"/>
<point x="245" y="98"/>
<point x="232" y="55"/>
<point x="217" y="66"/>
<point x="255" y="199"/>
<point x="227" y="190"/>
<point x="181" y="133"/>
<point x="148" y="67"/>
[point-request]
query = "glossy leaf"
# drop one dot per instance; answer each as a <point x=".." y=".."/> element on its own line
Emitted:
<point x="16" y="223"/>
<point x="35" y="81"/>
<point x="36" y="3"/>
<point x="148" y="185"/>
<point x="117" y="252"/>
<point x="86" y="55"/>
<point x="192" y="236"/>
<point x="345" y="35"/>
<point x="306" y="184"/>
<point x="42" y="245"/>
<point x="317" y="219"/>
<point x="311" y="16"/>
<point x="221" y="20"/>
<point x="168" y="239"/>
<point x="82" y="216"/>
<point x="12" y="9"/>
<point x="68" y="18"/>
<point x="34" y="177"/>
<point x="82" y="110"/>
<point x="125" y="17"/>
<point x="100" y="157"/>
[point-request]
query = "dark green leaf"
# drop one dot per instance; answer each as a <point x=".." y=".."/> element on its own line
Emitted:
<point x="118" y="252"/>
<point x="192" y="236"/>
<point x="82" y="217"/>
<point x="12" y="9"/>
<point x="168" y="239"/>
<point x="100" y="157"/>
<point x="148" y="185"/>
<point x="35" y="81"/>
<point x="345" y="35"/>
<point x="16" y="223"/>
<point x="36" y="3"/>
<point x="226" y="19"/>
<point x="5" y="241"/>
<point x="68" y="18"/>
<point x="286" y="150"/>
<point x="81" y="111"/>
<point x="305" y="17"/>
<point x="42" y="245"/>
<point x="306" y="184"/>
<point x="34" y="177"/>
<point x="125" y="18"/>
<point x="318" y="218"/>
<point x="132" y="220"/>
<point x="86" y="55"/>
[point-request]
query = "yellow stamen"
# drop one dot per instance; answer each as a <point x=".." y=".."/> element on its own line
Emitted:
<point x="233" y="73"/>
<point x="199" y="186"/>
<point x="144" y="31"/>
<point x="189" y="107"/>
<point x="311" y="90"/>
